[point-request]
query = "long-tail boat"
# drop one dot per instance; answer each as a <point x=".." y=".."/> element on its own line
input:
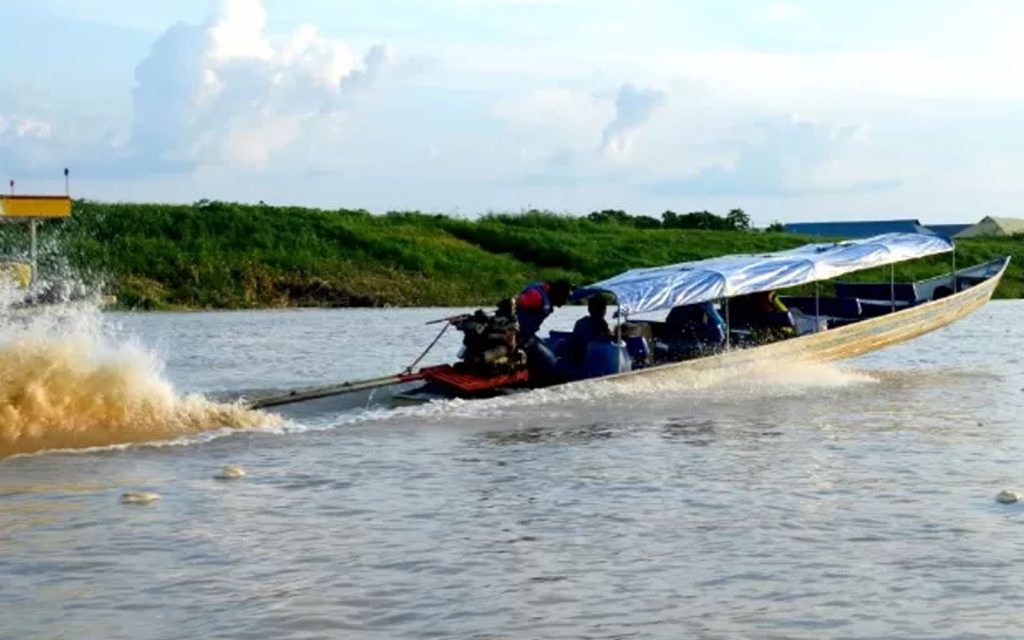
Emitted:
<point x="855" y="318"/>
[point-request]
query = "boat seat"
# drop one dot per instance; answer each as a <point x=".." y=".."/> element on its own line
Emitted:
<point x="831" y="307"/>
<point x="902" y="292"/>
<point x="964" y="282"/>
<point x="875" y="308"/>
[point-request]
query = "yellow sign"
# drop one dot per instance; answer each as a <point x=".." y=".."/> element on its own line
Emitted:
<point x="35" y="206"/>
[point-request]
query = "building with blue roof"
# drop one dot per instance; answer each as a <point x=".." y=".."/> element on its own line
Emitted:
<point x="849" y="229"/>
<point x="948" y="230"/>
<point x="856" y="229"/>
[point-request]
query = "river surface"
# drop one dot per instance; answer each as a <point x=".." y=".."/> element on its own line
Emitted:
<point x="794" y="501"/>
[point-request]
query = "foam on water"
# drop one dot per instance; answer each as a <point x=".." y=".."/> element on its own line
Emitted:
<point x="662" y="391"/>
<point x="66" y="382"/>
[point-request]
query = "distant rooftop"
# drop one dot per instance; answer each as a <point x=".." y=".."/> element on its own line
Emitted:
<point x="993" y="226"/>
<point x="948" y="230"/>
<point x="989" y="225"/>
<point x="857" y="229"/>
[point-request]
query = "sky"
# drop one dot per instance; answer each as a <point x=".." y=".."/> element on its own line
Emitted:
<point x="792" y="110"/>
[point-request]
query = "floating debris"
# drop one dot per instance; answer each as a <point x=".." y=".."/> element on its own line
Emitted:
<point x="230" y="472"/>
<point x="139" y="497"/>
<point x="1008" y="497"/>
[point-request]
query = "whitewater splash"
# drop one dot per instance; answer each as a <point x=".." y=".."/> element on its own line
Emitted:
<point x="66" y="382"/>
<point x="665" y="392"/>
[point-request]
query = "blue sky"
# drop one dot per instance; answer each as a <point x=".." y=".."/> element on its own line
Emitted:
<point x="792" y="110"/>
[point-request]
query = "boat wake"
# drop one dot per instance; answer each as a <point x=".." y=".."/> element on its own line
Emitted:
<point x="66" y="382"/>
<point x="666" y="393"/>
<point x="69" y="382"/>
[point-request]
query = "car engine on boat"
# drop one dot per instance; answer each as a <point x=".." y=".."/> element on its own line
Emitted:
<point x="490" y="341"/>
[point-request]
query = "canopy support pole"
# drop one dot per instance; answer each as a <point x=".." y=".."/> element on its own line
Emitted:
<point x="954" y="270"/>
<point x="32" y="250"/>
<point x="728" y="330"/>
<point x="892" y="286"/>
<point x="619" y="324"/>
<point x="817" y="308"/>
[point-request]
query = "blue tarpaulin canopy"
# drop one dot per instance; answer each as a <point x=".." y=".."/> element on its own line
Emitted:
<point x="658" y="288"/>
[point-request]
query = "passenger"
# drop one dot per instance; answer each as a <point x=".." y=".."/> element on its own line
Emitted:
<point x="536" y="302"/>
<point x="533" y="305"/>
<point x="778" y="322"/>
<point x="763" y="314"/>
<point x="590" y="328"/>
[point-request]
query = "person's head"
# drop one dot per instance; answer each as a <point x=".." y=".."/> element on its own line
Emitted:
<point x="597" y="306"/>
<point x="559" y="292"/>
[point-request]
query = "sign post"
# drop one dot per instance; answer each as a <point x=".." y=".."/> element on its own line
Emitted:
<point x="32" y="209"/>
<point x="32" y="250"/>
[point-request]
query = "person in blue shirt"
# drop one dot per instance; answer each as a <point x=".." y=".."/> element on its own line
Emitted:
<point x="593" y="326"/>
<point x="590" y="328"/>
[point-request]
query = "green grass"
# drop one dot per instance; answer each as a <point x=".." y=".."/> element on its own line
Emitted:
<point x="225" y="255"/>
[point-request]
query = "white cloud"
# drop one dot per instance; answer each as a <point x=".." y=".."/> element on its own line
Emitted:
<point x="552" y="126"/>
<point x="254" y="144"/>
<point x="224" y="93"/>
<point x="238" y="32"/>
<point x="20" y="126"/>
<point x="506" y="96"/>
<point x="787" y="156"/>
<point x="28" y="142"/>
<point x="559" y="128"/>
<point x="633" y="107"/>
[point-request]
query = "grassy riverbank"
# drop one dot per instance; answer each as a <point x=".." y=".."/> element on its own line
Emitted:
<point x="225" y="255"/>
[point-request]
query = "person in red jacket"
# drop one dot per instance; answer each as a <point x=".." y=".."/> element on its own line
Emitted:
<point x="536" y="302"/>
<point x="533" y="305"/>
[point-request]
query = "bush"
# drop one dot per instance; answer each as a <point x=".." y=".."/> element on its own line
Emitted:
<point x="227" y="255"/>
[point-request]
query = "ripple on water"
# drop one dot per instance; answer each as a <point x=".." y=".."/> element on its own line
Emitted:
<point x="850" y="501"/>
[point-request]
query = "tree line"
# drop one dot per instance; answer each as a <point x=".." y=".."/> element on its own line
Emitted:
<point x="735" y="220"/>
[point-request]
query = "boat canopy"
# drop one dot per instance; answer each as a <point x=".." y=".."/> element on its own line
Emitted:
<point x="657" y="288"/>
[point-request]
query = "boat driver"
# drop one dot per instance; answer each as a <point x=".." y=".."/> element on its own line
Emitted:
<point x="533" y="305"/>
<point x="536" y="302"/>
